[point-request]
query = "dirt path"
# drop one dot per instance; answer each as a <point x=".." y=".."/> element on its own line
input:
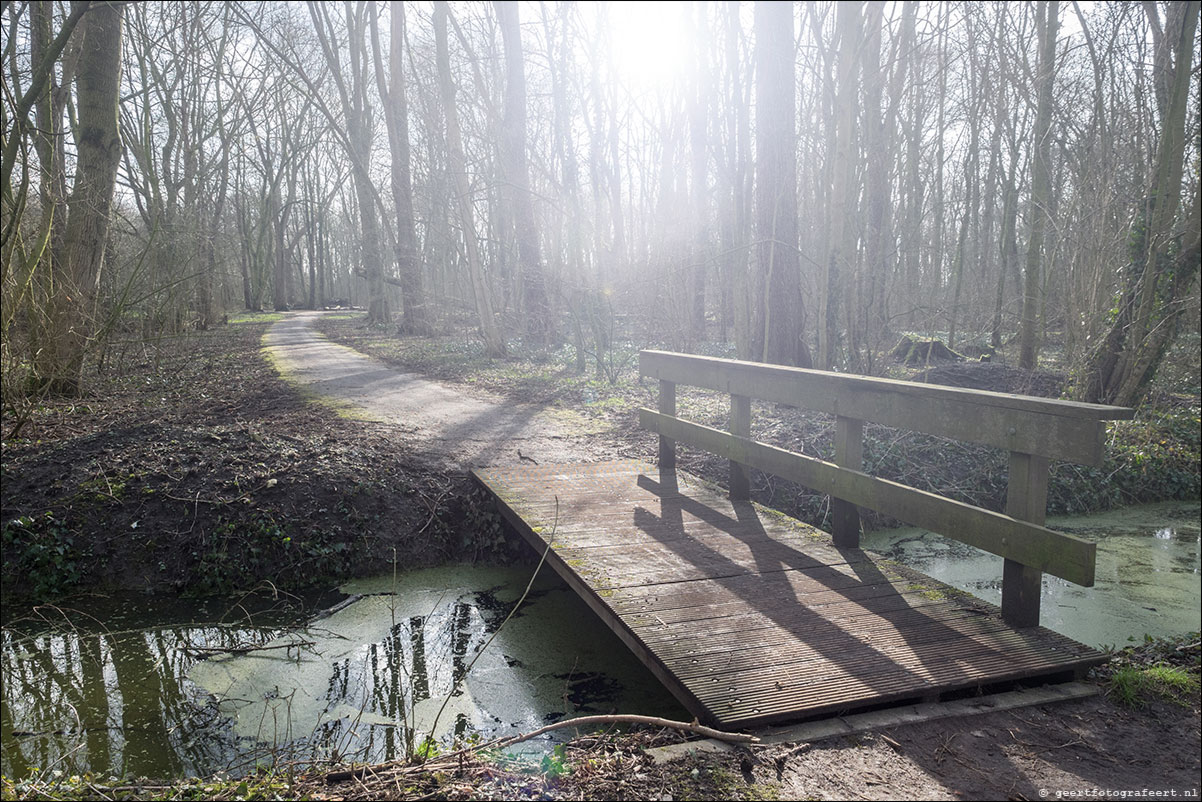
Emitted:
<point x="455" y="428"/>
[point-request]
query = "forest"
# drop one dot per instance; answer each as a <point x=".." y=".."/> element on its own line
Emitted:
<point x="281" y="281"/>
<point x="802" y="181"/>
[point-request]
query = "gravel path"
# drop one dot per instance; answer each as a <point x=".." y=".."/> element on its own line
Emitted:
<point x="454" y="428"/>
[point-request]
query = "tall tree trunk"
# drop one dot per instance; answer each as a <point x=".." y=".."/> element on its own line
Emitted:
<point x="733" y="194"/>
<point x="1048" y="23"/>
<point x="878" y="147"/>
<point x="516" y="172"/>
<point x="494" y="341"/>
<point x="971" y="203"/>
<point x="52" y="187"/>
<point x="841" y="236"/>
<point x="279" y="265"/>
<point x="414" y="318"/>
<point x="780" y="338"/>
<point x="1007" y="244"/>
<point x="932" y="287"/>
<point x="698" y="101"/>
<point x="914" y="196"/>
<point x="59" y="367"/>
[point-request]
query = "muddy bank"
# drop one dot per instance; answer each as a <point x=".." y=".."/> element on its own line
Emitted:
<point x="199" y="471"/>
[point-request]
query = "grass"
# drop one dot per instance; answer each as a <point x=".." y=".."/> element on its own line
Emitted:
<point x="1137" y="686"/>
<point x="56" y="785"/>
<point x="242" y="318"/>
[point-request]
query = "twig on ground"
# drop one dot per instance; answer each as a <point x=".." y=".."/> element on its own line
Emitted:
<point x="451" y="759"/>
<point x="653" y="721"/>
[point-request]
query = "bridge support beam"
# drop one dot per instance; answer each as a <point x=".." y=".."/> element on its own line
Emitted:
<point x="1027" y="500"/>
<point x="849" y="453"/>
<point x="667" y="406"/>
<point x="740" y="426"/>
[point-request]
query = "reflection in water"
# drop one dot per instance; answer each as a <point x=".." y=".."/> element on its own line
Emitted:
<point x="1148" y="578"/>
<point x="390" y="685"/>
<point x="115" y="702"/>
<point x="421" y="680"/>
<point x="364" y="683"/>
<point x="404" y="662"/>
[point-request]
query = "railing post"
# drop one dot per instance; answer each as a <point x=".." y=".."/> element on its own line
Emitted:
<point x="849" y="453"/>
<point x="1027" y="500"/>
<point x="667" y="406"/>
<point x="740" y="426"/>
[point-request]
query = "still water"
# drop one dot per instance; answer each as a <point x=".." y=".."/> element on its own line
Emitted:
<point x="1147" y="580"/>
<point x="382" y="672"/>
<point x="131" y="687"/>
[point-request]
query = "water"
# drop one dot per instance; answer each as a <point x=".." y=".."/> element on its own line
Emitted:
<point x="101" y="684"/>
<point x="139" y="696"/>
<point x="1148" y="575"/>
<point x="129" y="687"/>
<point x="400" y="661"/>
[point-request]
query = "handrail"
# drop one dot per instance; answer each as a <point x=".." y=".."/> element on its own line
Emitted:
<point x="1032" y="429"/>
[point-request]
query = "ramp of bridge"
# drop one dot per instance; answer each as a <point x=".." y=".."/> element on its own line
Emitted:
<point x="750" y="617"/>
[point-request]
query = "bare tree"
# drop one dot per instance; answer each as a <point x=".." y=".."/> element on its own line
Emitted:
<point x="1047" y="23"/>
<point x="779" y="339"/>
<point x="456" y="164"/>
<point x="516" y="177"/>
<point x="1165" y="245"/>
<point x="58" y="365"/>
<point x="357" y="112"/>
<point x="414" y="316"/>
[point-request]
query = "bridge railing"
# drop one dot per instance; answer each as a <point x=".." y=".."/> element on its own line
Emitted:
<point x="1032" y="430"/>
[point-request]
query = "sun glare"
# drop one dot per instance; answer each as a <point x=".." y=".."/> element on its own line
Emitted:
<point x="650" y="42"/>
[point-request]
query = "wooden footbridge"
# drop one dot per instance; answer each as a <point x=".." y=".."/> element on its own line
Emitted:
<point x="750" y="617"/>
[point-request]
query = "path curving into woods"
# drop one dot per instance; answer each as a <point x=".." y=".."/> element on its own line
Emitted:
<point x="459" y="429"/>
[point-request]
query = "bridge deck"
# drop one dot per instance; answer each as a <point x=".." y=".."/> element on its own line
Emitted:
<point x="750" y="617"/>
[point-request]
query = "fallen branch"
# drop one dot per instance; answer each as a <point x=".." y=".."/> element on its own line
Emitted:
<point x="342" y="605"/>
<point x="651" y="721"/>
<point x="246" y="649"/>
<point x="450" y="758"/>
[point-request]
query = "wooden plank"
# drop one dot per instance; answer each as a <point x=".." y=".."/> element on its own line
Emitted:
<point x="934" y="621"/>
<point x="1027" y="500"/>
<point x="799" y="657"/>
<point x="814" y="602"/>
<point x="598" y="605"/>
<point x="744" y="615"/>
<point x="695" y="598"/>
<point x="782" y="627"/>
<point x="888" y="661"/>
<point x="1062" y="430"/>
<point x="849" y="453"/>
<point x="740" y="426"/>
<point x="894" y="664"/>
<point x="748" y="707"/>
<point x="667" y="406"/>
<point x="653" y="564"/>
<point x="1055" y="553"/>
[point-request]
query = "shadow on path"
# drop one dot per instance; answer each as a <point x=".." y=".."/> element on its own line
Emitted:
<point x="464" y="430"/>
